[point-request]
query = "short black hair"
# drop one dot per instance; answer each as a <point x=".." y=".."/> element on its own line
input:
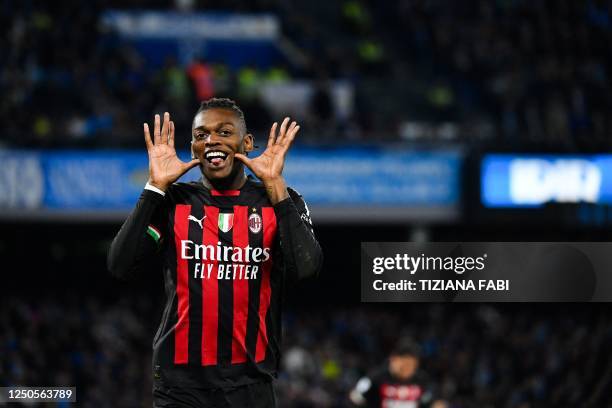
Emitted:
<point x="223" y="103"/>
<point x="406" y="347"/>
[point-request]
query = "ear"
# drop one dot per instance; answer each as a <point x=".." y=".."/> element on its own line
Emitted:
<point x="192" y="153"/>
<point x="248" y="142"/>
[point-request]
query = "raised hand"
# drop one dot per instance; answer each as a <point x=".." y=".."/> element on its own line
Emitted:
<point x="164" y="165"/>
<point x="268" y="166"/>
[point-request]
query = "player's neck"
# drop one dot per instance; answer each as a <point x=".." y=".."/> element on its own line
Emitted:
<point x="228" y="183"/>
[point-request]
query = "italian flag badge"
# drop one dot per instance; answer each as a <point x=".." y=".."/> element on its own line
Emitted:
<point x="226" y="221"/>
<point x="154" y="233"/>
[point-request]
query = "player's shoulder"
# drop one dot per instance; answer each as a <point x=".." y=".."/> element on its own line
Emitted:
<point x="258" y="185"/>
<point x="380" y="374"/>
<point x="422" y="377"/>
<point x="183" y="189"/>
<point x="255" y="183"/>
<point x="186" y="185"/>
<point x="294" y="194"/>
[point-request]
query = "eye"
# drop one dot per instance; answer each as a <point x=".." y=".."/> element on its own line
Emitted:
<point x="225" y="132"/>
<point x="199" y="135"/>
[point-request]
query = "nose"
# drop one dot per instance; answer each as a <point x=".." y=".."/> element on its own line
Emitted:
<point x="211" y="140"/>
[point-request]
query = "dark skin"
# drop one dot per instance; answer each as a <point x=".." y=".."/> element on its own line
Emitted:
<point x="220" y="130"/>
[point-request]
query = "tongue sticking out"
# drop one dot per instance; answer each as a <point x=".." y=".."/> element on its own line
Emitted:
<point x="216" y="161"/>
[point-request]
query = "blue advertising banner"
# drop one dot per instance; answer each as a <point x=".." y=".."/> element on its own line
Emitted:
<point x="509" y="180"/>
<point x="333" y="178"/>
<point x="375" y="176"/>
<point x="234" y="39"/>
<point x="177" y="25"/>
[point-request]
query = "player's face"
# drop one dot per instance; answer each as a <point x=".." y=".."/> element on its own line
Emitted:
<point x="218" y="134"/>
<point x="403" y="367"/>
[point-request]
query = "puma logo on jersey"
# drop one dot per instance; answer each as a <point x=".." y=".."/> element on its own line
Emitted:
<point x="192" y="218"/>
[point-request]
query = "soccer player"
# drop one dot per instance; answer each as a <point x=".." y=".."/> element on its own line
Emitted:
<point x="398" y="384"/>
<point x="230" y="246"/>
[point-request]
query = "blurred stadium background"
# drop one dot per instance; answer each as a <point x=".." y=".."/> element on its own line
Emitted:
<point x="422" y="120"/>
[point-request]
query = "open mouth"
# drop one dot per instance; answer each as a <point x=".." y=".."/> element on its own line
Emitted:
<point x="216" y="157"/>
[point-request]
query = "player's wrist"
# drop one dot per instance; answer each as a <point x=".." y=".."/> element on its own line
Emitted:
<point x="273" y="180"/>
<point x="276" y="189"/>
<point x="158" y="185"/>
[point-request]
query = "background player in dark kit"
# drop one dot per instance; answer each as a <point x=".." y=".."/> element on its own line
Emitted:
<point x="399" y="383"/>
<point x="229" y="246"/>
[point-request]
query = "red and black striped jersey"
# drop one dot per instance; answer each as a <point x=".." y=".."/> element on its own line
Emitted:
<point x="227" y="258"/>
<point x="383" y="390"/>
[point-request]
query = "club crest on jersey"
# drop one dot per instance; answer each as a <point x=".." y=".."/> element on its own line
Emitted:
<point x="226" y="222"/>
<point x="254" y="223"/>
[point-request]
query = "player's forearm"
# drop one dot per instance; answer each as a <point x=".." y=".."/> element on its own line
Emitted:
<point x="131" y="245"/>
<point x="301" y="252"/>
<point x="276" y="189"/>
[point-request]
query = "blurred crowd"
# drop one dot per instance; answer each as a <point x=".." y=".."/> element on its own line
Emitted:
<point x="101" y="349"/>
<point x="506" y="73"/>
<point x="532" y="72"/>
<point x="477" y="355"/>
